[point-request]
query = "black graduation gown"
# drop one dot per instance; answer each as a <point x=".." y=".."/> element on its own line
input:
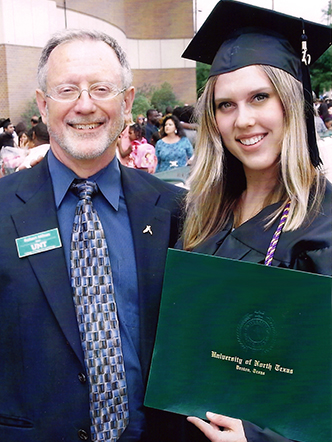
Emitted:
<point x="308" y="248"/>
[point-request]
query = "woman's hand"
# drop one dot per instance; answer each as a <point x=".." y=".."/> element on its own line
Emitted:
<point x="221" y="428"/>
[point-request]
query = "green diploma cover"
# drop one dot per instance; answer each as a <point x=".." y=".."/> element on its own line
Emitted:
<point x="244" y="340"/>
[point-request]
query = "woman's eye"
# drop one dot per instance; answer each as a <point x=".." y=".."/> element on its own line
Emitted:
<point x="261" y="97"/>
<point x="224" y="105"/>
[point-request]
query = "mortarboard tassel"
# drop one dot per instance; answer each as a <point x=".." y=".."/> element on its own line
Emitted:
<point x="311" y="130"/>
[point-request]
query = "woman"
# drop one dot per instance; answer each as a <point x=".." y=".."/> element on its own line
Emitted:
<point x="23" y="139"/>
<point x="140" y="119"/>
<point x="256" y="190"/>
<point x="173" y="149"/>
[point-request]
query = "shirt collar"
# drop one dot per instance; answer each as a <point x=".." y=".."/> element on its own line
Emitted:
<point x="108" y="180"/>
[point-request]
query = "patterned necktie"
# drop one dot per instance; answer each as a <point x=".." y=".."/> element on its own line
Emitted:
<point x="91" y="279"/>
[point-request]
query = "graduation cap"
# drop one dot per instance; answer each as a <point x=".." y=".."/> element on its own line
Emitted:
<point x="5" y="123"/>
<point x="236" y="35"/>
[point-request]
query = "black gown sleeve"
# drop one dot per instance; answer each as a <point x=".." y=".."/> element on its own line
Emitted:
<point x="256" y="434"/>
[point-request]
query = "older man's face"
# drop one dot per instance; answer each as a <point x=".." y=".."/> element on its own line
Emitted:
<point x="85" y="129"/>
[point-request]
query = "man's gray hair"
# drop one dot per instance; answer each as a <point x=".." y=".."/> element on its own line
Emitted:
<point x="82" y="34"/>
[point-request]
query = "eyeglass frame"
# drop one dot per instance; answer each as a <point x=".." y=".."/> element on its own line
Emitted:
<point x="87" y="90"/>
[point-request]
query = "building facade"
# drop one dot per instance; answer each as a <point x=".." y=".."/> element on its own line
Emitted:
<point x="154" y="33"/>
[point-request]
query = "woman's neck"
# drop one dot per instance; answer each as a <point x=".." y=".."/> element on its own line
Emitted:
<point x="171" y="138"/>
<point x="253" y="198"/>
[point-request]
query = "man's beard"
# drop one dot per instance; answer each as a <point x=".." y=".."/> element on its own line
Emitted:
<point x="70" y="142"/>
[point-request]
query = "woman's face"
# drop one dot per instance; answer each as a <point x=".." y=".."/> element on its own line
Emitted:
<point x="169" y="127"/>
<point x="24" y="139"/>
<point x="250" y="118"/>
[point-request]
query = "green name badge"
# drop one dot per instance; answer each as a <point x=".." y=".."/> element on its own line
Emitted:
<point x="40" y="242"/>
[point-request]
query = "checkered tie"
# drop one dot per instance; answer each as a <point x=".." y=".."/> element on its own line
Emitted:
<point x="91" y="279"/>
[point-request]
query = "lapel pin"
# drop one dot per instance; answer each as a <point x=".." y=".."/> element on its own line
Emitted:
<point x="147" y="230"/>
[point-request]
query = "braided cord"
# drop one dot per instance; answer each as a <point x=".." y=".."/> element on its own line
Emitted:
<point x="274" y="242"/>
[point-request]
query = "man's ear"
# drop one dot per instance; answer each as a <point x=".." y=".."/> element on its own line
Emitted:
<point x="129" y="96"/>
<point x="42" y="105"/>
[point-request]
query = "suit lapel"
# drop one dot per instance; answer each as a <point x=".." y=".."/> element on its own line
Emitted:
<point x="38" y="214"/>
<point x="150" y="228"/>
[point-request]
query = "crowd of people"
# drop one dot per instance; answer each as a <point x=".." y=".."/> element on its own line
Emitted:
<point x="157" y="142"/>
<point x="20" y="146"/>
<point x="144" y="144"/>
<point x="323" y="110"/>
<point x="85" y="232"/>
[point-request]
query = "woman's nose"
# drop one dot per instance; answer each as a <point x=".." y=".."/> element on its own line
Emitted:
<point x="245" y="116"/>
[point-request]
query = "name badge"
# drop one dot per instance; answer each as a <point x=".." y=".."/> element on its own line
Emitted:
<point x="40" y="242"/>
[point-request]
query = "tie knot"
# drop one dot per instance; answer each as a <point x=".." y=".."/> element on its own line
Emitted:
<point x="84" y="189"/>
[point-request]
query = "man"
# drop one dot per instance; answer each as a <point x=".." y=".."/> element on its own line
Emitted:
<point x="84" y="97"/>
<point x="38" y="144"/>
<point x="151" y="125"/>
<point x="7" y="136"/>
<point x="34" y="120"/>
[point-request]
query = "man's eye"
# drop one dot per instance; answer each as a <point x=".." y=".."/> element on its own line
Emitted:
<point x="103" y="89"/>
<point x="64" y="90"/>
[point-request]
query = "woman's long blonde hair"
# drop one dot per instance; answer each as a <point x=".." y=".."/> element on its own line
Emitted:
<point x="217" y="179"/>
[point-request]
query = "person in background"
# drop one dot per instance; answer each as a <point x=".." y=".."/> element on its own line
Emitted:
<point x="320" y="125"/>
<point x="38" y="145"/>
<point x="7" y="136"/>
<point x="19" y="128"/>
<point x="173" y="149"/>
<point x="34" y="120"/>
<point x="328" y="122"/>
<point x="151" y="126"/>
<point x="38" y="135"/>
<point x="257" y="170"/>
<point x="155" y="137"/>
<point x="186" y="115"/>
<point x="143" y="153"/>
<point x="23" y="139"/>
<point x="140" y="119"/>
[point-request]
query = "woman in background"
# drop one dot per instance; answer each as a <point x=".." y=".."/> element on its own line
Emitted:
<point x="173" y="149"/>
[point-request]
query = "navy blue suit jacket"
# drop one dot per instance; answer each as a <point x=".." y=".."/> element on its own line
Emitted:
<point x="43" y="388"/>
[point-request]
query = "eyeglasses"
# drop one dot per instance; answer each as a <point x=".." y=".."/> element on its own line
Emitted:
<point x="65" y="93"/>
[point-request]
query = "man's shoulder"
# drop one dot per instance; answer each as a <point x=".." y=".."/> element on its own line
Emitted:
<point x="25" y="182"/>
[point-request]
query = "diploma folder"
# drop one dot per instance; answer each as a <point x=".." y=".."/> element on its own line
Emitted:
<point x="247" y="341"/>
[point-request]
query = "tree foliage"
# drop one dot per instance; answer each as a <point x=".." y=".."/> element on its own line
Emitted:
<point x="202" y="74"/>
<point x="321" y="73"/>
<point x="154" y="98"/>
<point x="141" y="104"/>
<point x="327" y="13"/>
<point x="163" y="97"/>
<point x="31" y="109"/>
